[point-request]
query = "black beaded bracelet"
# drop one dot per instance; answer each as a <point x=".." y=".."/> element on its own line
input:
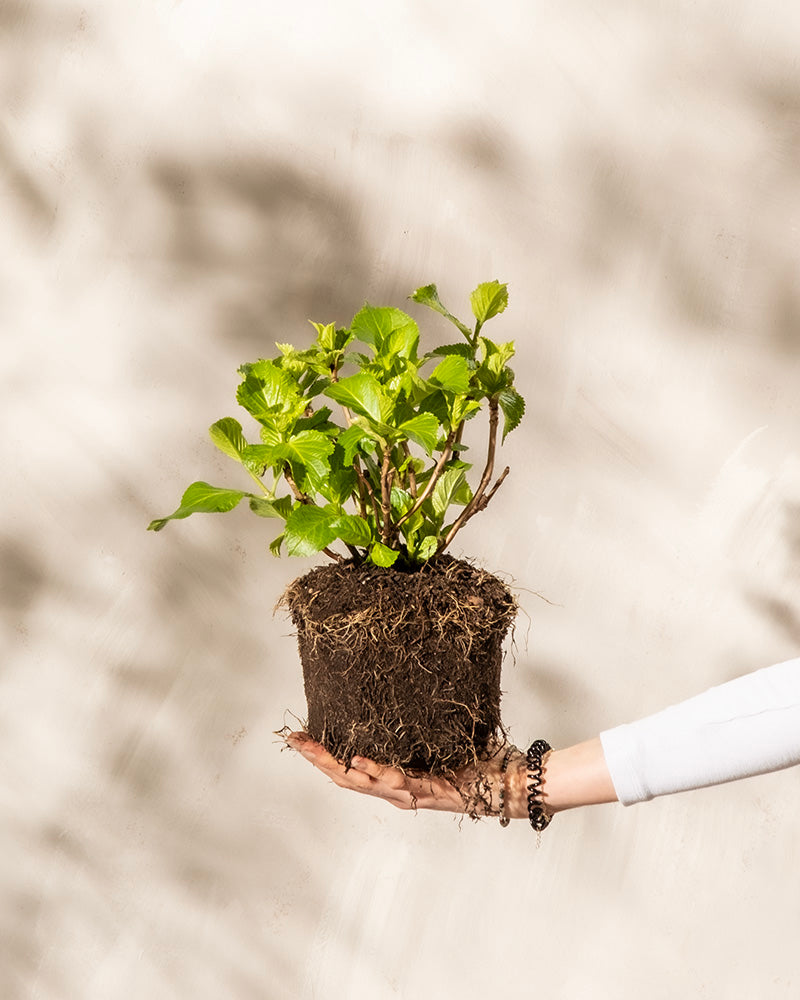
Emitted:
<point x="536" y="756"/>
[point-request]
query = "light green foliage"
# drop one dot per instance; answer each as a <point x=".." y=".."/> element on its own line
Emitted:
<point x="385" y="479"/>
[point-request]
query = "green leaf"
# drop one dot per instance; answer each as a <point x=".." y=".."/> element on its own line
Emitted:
<point x="464" y="350"/>
<point x="326" y="335"/>
<point x="488" y="300"/>
<point x="352" y="530"/>
<point x="401" y="501"/>
<point x="513" y="407"/>
<point x="449" y="489"/>
<point x="271" y="508"/>
<point x="308" y="530"/>
<point x="428" y="296"/>
<point x="363" y="394"/>
<point x="266" y="389"/>
<point x="340" y="485"/>
<point x="352" y="441"/>
<point x="382" y="555"/>
<point x="275" y="544"/>
<point x="427" y="548"/>
<point x="387" y="330"/>
<point x="424" y="429"/>
<point x="200" y="498"/>
<point x="452" y="374"/>
<point x="308" y="453"/>
<point x="227" y="436"/>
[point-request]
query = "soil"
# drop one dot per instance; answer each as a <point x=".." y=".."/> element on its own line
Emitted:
<point x="402" y="667"/>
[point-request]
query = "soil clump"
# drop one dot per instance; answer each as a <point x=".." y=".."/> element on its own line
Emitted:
<point x="402" y="667"/>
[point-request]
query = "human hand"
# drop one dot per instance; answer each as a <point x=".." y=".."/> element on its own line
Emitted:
<point x="474" y="789"/>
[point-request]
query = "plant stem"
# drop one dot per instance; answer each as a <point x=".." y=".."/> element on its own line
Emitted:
<point x="386" y="494"/>
<point x="365" y="483"/>
<point x="477" y="502"/>
<point x="412" y="476"/>
<point x="443" y="459"/>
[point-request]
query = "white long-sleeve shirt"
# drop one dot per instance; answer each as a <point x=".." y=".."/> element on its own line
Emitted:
<point x="748" y="726"/>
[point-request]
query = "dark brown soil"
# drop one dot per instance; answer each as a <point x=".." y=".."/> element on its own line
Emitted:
<point x="402" y="667"/>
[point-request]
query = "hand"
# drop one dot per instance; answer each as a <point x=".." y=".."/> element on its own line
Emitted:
<point x="474" y="790"/>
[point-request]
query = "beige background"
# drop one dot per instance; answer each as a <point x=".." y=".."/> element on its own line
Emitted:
<point x="181" y="184"/>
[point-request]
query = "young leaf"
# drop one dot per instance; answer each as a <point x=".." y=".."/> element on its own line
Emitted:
<point x="363" y="394"/>
<point x="308" y="530"/>
<point x="382" y="555"/>
<point x="488" y="300"/>
<point x="266" y="388"/>
<point x="271" y="508"/>
<point x="424" y="429"/>
<point x="428" y="296"/>
<point x="513" y="407"/>
<point x="388" y="330"/>
<point x="449" y="489"/>
<point x="227" y="436"/>
<point x="452" y="374"/>
<point x="275" y="545"/>
<point x="200" y="498"/>
<point x="352" y="440"/>
<point x="427" y="548"/>
<point x="352" y="530"/>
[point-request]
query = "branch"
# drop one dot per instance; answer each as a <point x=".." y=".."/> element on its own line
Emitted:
<point x="386" y="496"/>
<point x="478" y="502"/>
<point x="298" y="493"/>
<point x="365" y="483"/>
<point x="362" y="502"/>
<point x="443" y="459"/>
<point x="412" y="476"/>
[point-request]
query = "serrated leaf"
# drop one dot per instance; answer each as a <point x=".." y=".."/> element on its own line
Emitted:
<point x="452" y="374"/>
<point x="427" y="548"/>
<point x="228" y="437"/>
<point x="308" y="530"/>
<point x="257" y="458"/>
<point x="382" y="555"/>
<point x="464" y="350"/>
<point x="424" y="429"/>
<point x="352" y="530"/>
<point x="449" y="489"/>
<point x="275" y="544"/>
<point x="352" y="440"/>
<point x="281" y="507"/>
<point x="362" y="394"/>
<point x="201" y="498"/>
<point x="326" y="335"/>
<point x="428" y="296"/>
<point x="308" y="454"/>
<point x="389" y="331"/>
<point x="401" y="501"/>
<point x="488" y="299"/>
<point x="513" y="407"/>
<point x="266" y="388"/>
<point x="340" y="485"/>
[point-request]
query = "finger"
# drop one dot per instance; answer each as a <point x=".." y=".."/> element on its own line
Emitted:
<point x="384" y="774"/>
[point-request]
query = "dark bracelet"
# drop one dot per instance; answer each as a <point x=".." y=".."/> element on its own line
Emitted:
<point x="504" y="820"/>
<point x="537" y="753"/>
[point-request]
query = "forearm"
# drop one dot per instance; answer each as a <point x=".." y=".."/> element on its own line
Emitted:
<point x="574" y="776"/>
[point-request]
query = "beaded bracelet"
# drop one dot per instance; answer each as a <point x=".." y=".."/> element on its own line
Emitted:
<point x="537" y="754"/>
<point x="504" y="820"/>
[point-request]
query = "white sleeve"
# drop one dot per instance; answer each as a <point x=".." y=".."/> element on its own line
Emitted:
<point x="748" y="726"/>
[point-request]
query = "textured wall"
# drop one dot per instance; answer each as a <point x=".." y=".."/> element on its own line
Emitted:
<point x="181" y="184"/>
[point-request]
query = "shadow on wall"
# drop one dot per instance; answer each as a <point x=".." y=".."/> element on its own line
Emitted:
<point x="156" y="801"/>
<point x="284" y="248"/>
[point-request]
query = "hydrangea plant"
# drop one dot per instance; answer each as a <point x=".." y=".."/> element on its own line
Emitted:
<point x="388" y="478"/>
